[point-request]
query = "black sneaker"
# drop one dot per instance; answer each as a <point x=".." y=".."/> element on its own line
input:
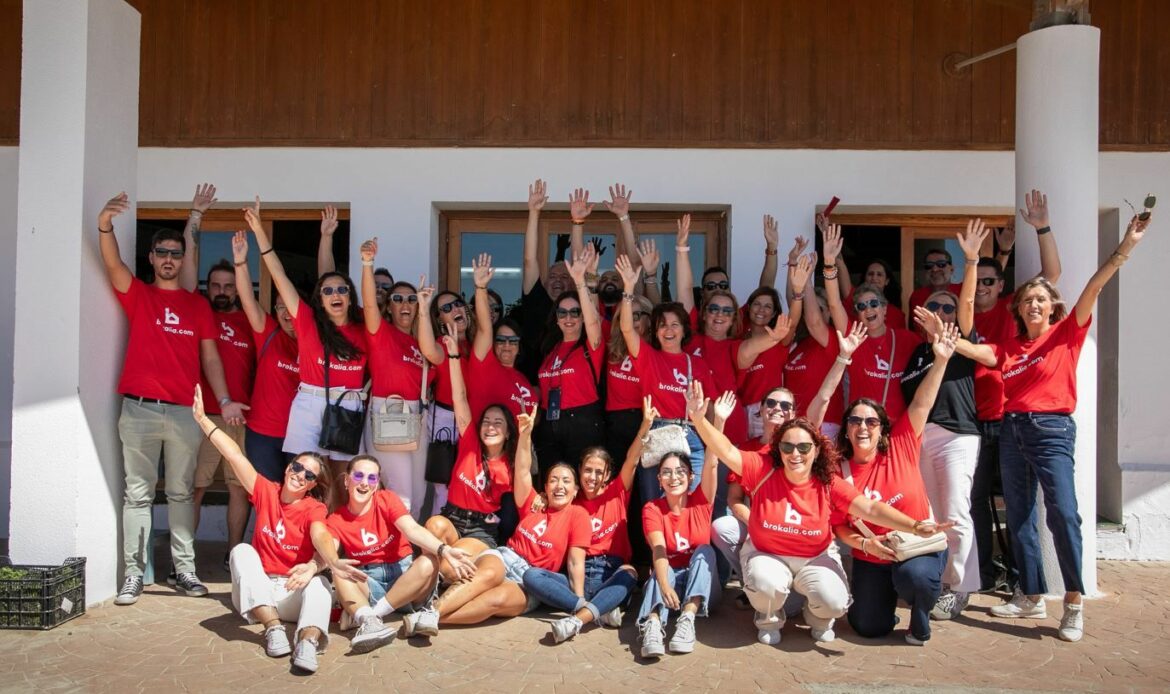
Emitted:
<point x="131" y="589"/>
<point x="227" y="564"/>
<point x="189" y="583"/>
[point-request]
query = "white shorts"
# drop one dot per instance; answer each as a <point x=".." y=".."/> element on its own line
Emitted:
<point x="304" y="424"/>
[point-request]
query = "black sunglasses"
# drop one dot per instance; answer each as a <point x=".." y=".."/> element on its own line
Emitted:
<point x="507" y="339"/>
<point x="384" y="286"/>
<point x="855" y="421"/>
<point x="862" y="305"/>
<point x="712" y="286"/>
<point x="988" y="281"/>
<point x="716" y="309"/>
<point x="935" y="307"/>
<point x="404" y="298"/>
<point x="161" y="252"/>
<point x="330" y="291"/>
<point x="787" y="448"/>
<point x="773" y="403"/>
<point x="931" y="264"/>
<point x="452" y="305"/>
<point x="569" y="312"/>
<point x="298" y="469"/>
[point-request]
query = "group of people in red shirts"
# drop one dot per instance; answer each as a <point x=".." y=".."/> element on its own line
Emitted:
<point x="599" y="427"/>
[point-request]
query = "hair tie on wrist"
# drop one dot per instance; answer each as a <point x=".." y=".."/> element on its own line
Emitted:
<point x="266" y="252"/>
<point x="682" y="249"/>
<point x="241" y="263"/>
<point x="213" y="430"/>
<point x="1043" y="230"/>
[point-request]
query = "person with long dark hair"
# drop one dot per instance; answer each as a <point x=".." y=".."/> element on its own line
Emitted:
<point x="329" y="329"/>
<point x="493" y="376"/>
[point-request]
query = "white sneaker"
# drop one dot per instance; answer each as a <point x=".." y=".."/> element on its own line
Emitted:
<point x="1072" y="623"/>
<point x="652" y="639"/>
<point x="944" y="607"/>
<point x="612" y="619"/>
<point x="823" y="635"/>
<point x="305" y="658"/>
<point x="276" y="642"/>
<point x="1020" y="607"/>
<point x="683" y="640"/>
<point x="372" y="633"/>
<point x="565" y="629"/>
<point x="424" y="622"/>
<point x="913" y="641"/>
<point x="769" y="636"/>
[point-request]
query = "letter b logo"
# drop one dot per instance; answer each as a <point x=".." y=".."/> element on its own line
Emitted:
<point x="368" y="538"/>
<point x="681" y="544"/>
<point x="791" y="516"/>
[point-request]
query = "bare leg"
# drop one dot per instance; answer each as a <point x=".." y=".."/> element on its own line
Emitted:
<point x="505" y="600"/>
<point x="489" y="573"/>
<point x="266" y="615"/>
<point x="415" y="585"/>
<point x="351" y="594"/>
<point x="692" y="606"/>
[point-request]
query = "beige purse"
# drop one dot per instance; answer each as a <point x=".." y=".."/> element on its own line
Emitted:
<point x="395" y="427"/>
<point x="904" y="545"/>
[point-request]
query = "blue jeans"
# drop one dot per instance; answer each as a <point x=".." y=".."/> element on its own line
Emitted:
<point x="697" y="579"/>
<point x="605" y="587"/>
<point x="648" y="485"/>
<point x="877" y="587"/>
<point x="382" y="576"/>
<point x="1038" y="448"/>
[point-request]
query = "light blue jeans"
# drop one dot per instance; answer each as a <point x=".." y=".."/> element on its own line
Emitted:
<point x="697" y="579"/>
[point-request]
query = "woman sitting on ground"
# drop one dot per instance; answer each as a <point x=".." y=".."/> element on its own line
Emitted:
<point x="275" y="577"/>
<point x="375" y="530"/>
<point x="544" y="539"/>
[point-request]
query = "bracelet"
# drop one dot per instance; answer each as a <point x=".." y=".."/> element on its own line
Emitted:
<point x="682" y="249"/>
<point x="1043" y="230"/>
<point x="578" y="222"/>
<point x="974" y="262"/>
<point x="456" y="357"/>
<point x="590" y="276"/>
<point x="195" y="213"/>
<point x="214" y="429"/>
<point x="626" y="296"/>
<point x="241" y="263"/>
<point x="770" y="252"/>
<point x="862" y="547"/>
<point x="828" y="276"/>
<point x="442" y="548"/>
<point x="225" y="400"/>
<point x="479" y="287"/>
<point x="266" y="252"/>
<point x="798" y="297"/>
<point x="624" y="218"/>
<point x="367" y="263"/>
<point x="649" y="279"/>
<point x="106" y="231"/>
<point x="791" y="264"/>
<point x="1119" y="254"/>
<point x="846" y="362"/>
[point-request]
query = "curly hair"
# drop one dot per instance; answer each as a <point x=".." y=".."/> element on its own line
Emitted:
<point x="828" y="460"/>
<point x="843" y="444"/>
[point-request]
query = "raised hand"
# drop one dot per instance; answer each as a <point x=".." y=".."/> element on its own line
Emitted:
<point x="849" y="343"/>
<point x="771" y="233"/>
<point x="648" y="253"/>
<point x="801" y="273"/>
<point x="240" y="247"/>
<point x="944" y="342"/>
<point x="369" y="250"/>
<point x="1006" y="237"/>
<point x="1135" y="232"/>
<point x="598" y="244"/>
<point x="619" y="200"/>
<point x="482" y="270"/>
<point x="204" y="197"/>
<point x="725" y="405"/>
<point x="537" y="195"/>
<point x="972" y="240"/>
<point x="930" y="321"/>
<point x="832" y="244"/>
<point x="526" y="420"/>
<point x="684" y="231"/>
<point x="450" y="344"/>
<point x="649" y="411"/>
<point x="252" y="217"/>
<point x="328" y="220"/>
<point x="628" y="272"/>
<point x="581" y="263"/>
<point x="114" y="207"/>
<point x="579" y="207"/>
<point x="197" y="405"/>
<point x="797" y="250"/>
<point x="776" y="334"/>
<point x="426" y="292"/>
<point x="1036" y="213"/>
<point x="696" y="403"/>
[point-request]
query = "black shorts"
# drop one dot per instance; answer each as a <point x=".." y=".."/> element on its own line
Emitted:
<point x="473" y="524"/>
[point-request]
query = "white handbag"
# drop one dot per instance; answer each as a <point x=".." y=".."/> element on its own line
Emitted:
<point x="907" y="545"/>
<point x="395" y="427"/>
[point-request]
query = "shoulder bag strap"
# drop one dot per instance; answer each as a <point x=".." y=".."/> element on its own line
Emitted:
<point x="422" y="394"/>
<point x="890" y="364"/>
<point x="267" y="341"/>
<point x="761" y="484"/>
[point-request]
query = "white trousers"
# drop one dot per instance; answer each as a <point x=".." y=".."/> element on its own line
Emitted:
<point x="402" y="471"/>
<point x="769" y="578"/>
<point x="252" y="588"/>
<point x="947" y="464"/>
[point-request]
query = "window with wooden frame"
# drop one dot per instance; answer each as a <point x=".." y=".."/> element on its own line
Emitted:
<point x="466" y="234"/>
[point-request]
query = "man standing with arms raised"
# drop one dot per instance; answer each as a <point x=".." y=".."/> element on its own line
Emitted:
<point x="172" y="335"/>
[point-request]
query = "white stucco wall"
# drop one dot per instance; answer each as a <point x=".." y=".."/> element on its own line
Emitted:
<point x="8" y="168"/>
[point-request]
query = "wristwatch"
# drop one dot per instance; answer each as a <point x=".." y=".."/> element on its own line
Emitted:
<point x="224" y="401"/>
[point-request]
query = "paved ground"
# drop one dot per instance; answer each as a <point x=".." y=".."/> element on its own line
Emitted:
<point x="173" y="643"/>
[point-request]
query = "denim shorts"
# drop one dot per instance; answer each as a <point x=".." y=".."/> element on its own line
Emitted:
<point x="382" y="576"/>
<point x="514" y="568"/>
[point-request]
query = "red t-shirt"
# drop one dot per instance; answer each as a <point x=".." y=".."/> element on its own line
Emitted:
<point x="396" y="364"/>
<point x="893" y="477"/>
<point x="721" y="357"/>
<point x="684" y="531"/>
<point x="373" y="537"/>
<point x="879" y="359"/>
<point x="792" y="520"/>
<point x="342" y="374"/>
<point x="1041" y="375"/>
<point x="894" y="315"/>
<point x="565" y="367"/>
<point x="237" y="352"/>
<point x="607" y="518"/>
<point x="471" y="488"/>
<point x="993" y="326"/>
<point x="162" y="353"/>
<point x="765" y="373"/>
<point x="544" y="537"/>
<point x="919" y="296"/>
<point x="623" y="387"/>
<point x="492" y="383"/>
<point x="277" y="377"/>
<point x="664" y="378"/>
<point x="281" y="534"/>
<point x="443" y="375"/>
<point x="804" y="371"/>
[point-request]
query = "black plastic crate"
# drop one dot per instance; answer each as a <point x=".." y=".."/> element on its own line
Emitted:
<point x="41" y="597"/>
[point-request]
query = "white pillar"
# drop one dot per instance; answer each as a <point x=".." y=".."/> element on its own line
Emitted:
<point x="1056" y="152"/>
<point x="78" y="148"/>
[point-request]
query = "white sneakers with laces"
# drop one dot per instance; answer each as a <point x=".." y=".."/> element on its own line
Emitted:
<point x="1020" y="607"/>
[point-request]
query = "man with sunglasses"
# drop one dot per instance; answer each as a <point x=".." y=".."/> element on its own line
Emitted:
<point x="172" y="336"/>
<point x="938" y="270"/>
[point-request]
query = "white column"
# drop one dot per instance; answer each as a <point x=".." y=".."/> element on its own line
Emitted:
<point x="78" y="148"/>
<point x="1056" y="151"/>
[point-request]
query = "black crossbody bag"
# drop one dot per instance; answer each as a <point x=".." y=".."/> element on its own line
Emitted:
<point x="341" y="428"/>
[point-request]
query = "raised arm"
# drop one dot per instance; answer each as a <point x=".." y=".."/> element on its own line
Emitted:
<point x="537" y="197"/>
<point x="723" y="408"/>
<point x="1036" y="214"/>
<point x="370" y="312"/>
<point x="794" y="255"/>
<point x="227" y="447"/>
<point x="248" y="303"/>
<point x="325" y="262"/>
<point x="751" y="348"/>
<point x="1088" y="299"/>
<point x="629" y="282"/>
<point x="849" y="344"/>
<point x="684" y="278"/>
<point x="579" y="209"/>
<point x="971" y="242"/>
<point x="771" y="245"/>
<point x="284" y="285"/>
<point x="797" y="280"/>
<point x="427" y="344"/>
<point x="481" y="275"/>
<point x="713" y="439"/>
<point x="942" y="340"/>
<point x="189" y="272"/>
<point x="118" y="273"/>
<point x="522" y="475"/>
<point x="648" y="254"/>
<point x="634" y="454"/>
<point x="458" y="387"/>
<point x="577" y="270"/>
<point x="619" y="205"/>
<point x="832" y="247"/>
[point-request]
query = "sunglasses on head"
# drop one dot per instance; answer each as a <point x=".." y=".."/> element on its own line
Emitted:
<point x="330" y="291"/>
<point x="298" y="469"/>
<point x="569" y="312"/>
<point x="862" y="305"/>
<point x="716" y="309"/>
<point x="161" y="252"/>
<point x="507" y="339"/>
<point x="932" y="264"/>
<point x="712" y="286"/>
<point x="870" y="422"/>
<point x="370" y="479"/>
<point x="787" y="448"/>
<point x="452" y="305"/>
<point x="773" y="403"/>
<point x="935" y="307"/>
<point x="404" y="298"/>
